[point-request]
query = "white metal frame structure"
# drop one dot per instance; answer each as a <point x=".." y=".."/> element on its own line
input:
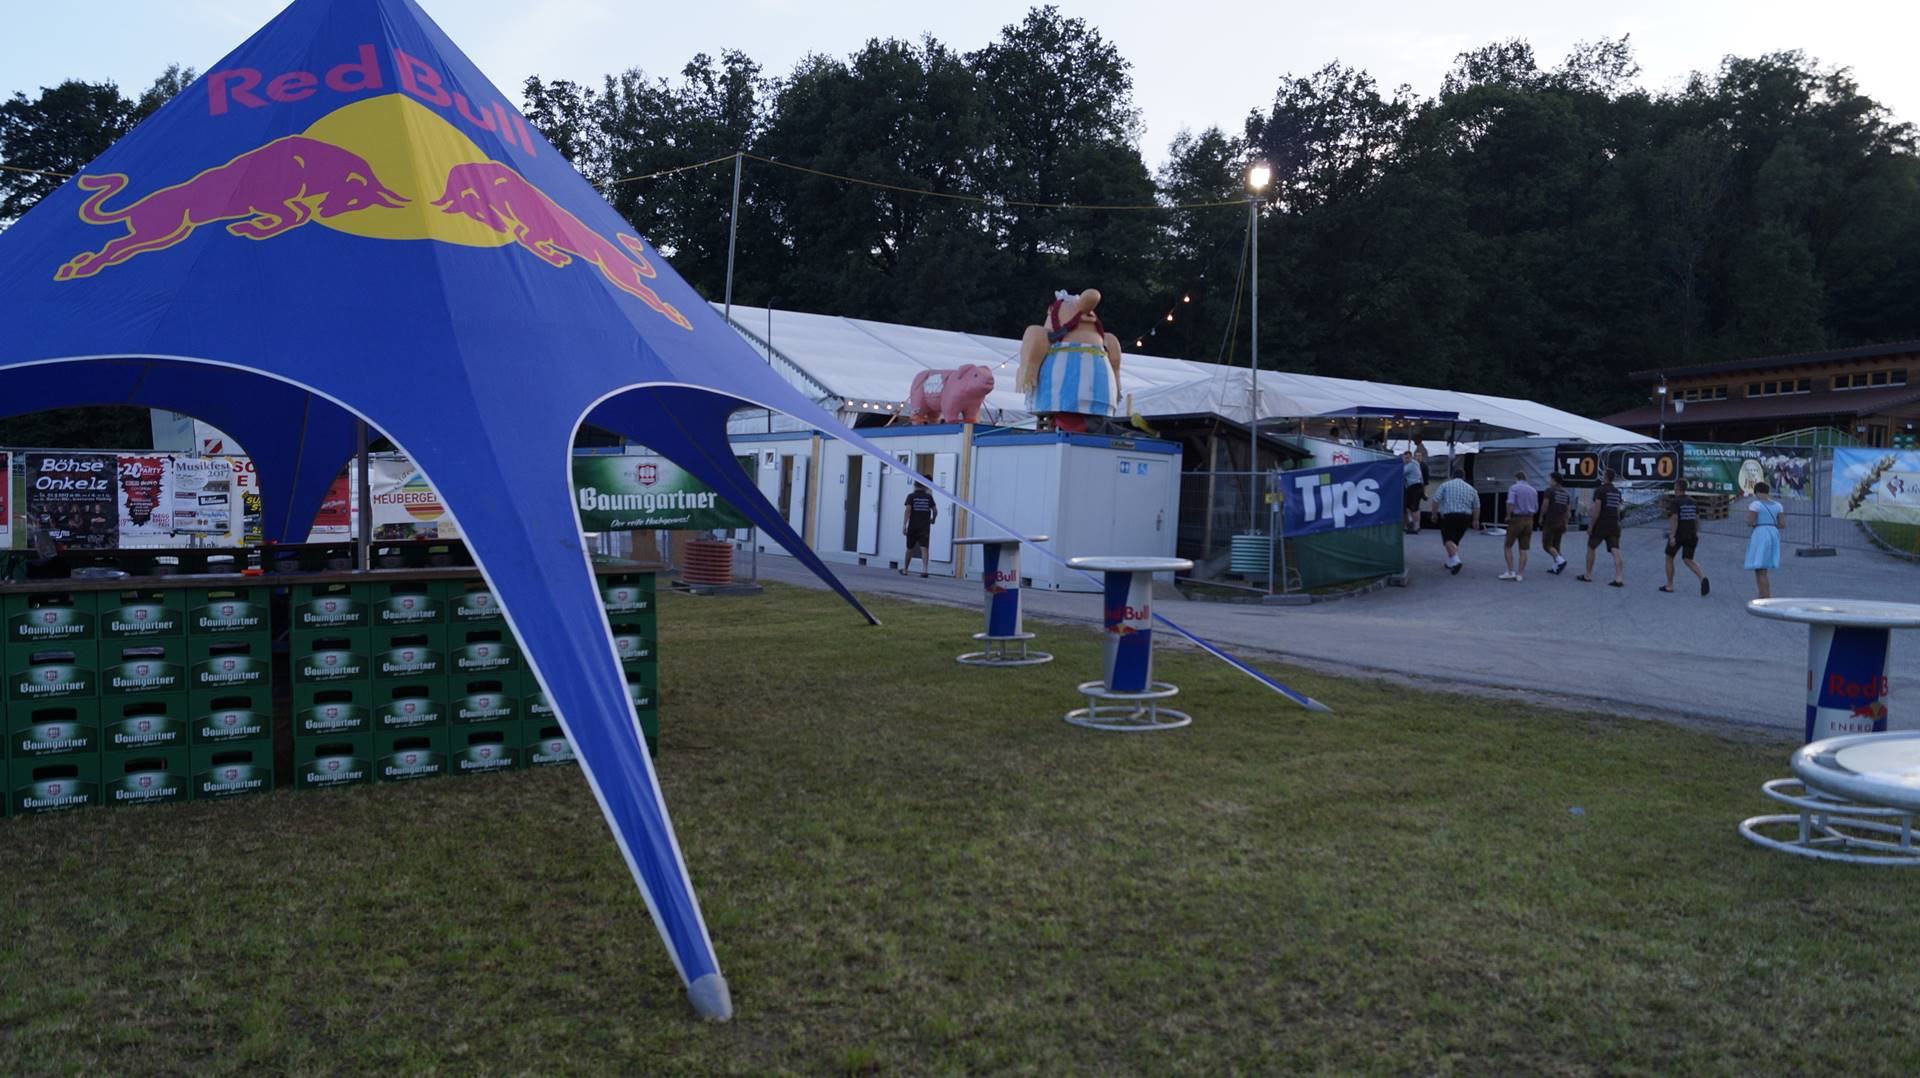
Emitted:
<point x="1857" y="796"/>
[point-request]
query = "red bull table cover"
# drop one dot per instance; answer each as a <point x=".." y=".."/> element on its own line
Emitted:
<point x="1127" y="698"/>
<point x="1849" y="642"/>
<point x="342" y="213"/>
<point x="1000" y="579"/>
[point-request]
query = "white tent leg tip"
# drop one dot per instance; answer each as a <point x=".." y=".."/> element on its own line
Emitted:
<point x="710" y="997"/>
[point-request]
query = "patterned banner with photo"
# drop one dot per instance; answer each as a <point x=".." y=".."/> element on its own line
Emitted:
<point x="1716" y="468"/>
<point x="1877" y="485"/>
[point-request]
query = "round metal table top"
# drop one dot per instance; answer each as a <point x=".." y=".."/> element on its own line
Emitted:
<point x="1101" y="564"/>
<point x="1875" y="769"/>
<point x="1851" y="613"/>
<point x="1002" y="540"/>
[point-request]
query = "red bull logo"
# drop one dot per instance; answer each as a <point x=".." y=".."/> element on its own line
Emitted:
<point x="503" y="200"/>
<point x="1875" y="712"/>
<point x="998" y="581"/>
<point x="389" y="166"/>
<point x="264" y="192"/>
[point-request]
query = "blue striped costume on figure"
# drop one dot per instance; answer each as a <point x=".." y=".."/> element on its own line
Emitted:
<point x="1073" y="378"/>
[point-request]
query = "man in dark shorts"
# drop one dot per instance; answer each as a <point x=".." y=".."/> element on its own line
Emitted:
<point x="1683" y="534"/>
<point x="1604" y="514"/>
<point x="1556" y="509"/>
<point x="1459" y="506"/>
<point x="1416" y="490"/>
<point x="915" y="524"/>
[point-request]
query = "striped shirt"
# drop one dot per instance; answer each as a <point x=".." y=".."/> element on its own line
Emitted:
<point x="1456" y="496"/>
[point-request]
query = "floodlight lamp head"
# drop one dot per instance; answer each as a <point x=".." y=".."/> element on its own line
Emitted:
<point x="1258" y="177"/>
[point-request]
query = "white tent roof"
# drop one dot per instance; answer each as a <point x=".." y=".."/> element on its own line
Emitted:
<point x="870" y="366"/>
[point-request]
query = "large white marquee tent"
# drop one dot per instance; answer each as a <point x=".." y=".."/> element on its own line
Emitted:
<point x="858" y="366"/>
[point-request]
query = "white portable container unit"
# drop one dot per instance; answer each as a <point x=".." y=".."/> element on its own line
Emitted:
<point x="1094" y="494"/>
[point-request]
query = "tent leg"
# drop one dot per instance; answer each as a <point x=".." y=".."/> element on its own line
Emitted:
<point x="363" y="541"/>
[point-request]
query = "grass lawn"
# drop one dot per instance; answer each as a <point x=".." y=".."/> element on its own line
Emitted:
<point x="911" y="866"/>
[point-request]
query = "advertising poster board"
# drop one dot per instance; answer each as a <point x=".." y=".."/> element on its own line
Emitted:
<point x="203" y="496"/>
<point x="1732" y="470"/>
<point x="405" y="505"/>
<point x="73" y="497"/>
<point x="1877" y="484"/>
<point x="632" y="493"/>
<point x="145" y="500"/>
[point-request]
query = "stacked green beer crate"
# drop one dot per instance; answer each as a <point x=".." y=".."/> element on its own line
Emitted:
<point x="629" y="603"/>
<point x="329" y="657"/>
<point x="144" y="725"/>
<point x="229" y="687"/>
<point x="52" y="706"/>
<point x="486" y="673"/>
<point x="409" y="660"/>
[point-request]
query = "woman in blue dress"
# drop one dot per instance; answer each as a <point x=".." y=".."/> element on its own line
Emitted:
<point x="1763" y="550"/>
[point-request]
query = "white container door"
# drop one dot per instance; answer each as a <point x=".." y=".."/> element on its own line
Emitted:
<point x="940" y="540"/>
<point x="869" y="511"/>
<point x="796" y="498"/>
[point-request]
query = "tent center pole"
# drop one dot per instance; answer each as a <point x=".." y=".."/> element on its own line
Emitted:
<point x="363" y="482"/>
<point x="733" y="230"/>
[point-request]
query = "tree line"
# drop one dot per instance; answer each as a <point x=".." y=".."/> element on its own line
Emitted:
<point x="1533" y="229"/>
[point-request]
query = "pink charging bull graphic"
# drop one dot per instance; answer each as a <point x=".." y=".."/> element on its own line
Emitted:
<point x="502" y="199"/>
<point x="264" y="192"/>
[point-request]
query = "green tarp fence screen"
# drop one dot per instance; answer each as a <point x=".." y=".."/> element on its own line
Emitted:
<point x="1345" y="556"/>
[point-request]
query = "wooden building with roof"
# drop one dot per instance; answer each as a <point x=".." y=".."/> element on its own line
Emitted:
<point x="1870" y="393"/>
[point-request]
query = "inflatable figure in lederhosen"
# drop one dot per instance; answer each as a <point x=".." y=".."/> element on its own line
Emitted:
<point x="1070" y="367"/>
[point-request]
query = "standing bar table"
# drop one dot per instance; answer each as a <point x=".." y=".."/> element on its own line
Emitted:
<point x="1849" y="644"/>
<point x="1849" y="641"/>
<point x="1000" y="574"/>
<point x="1127" y="699"/>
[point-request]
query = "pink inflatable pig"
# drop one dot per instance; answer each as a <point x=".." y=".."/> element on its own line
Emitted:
<point x="949" y="396"/>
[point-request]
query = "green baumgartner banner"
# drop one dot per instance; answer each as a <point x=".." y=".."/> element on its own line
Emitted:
<point x="1716" y="468"/>
<point x="636" y="493"/>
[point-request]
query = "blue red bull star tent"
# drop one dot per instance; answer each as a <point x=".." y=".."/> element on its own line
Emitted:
<point x="343" y="219"/>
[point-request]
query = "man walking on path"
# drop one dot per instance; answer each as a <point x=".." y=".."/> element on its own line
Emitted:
<point x="1683" y="534"/>
<point x="1556" y="509"/>
<point x="1459" y="506"/>
<point x="1416" y="488"/>
<point x="917" y="524"/>
<point x="1603" y="512"/>
<point x="1522" y="503"/>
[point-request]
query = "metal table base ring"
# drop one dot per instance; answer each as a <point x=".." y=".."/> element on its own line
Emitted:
<point x="1127" y="712"/>
<point x="1833" y="829"/>
<point x="998" y="652"/>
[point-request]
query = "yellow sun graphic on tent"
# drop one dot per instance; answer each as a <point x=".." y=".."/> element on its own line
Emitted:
<point x="412" y="150"/>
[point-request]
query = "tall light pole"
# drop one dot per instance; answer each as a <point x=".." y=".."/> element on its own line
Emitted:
<point x="1661" y="391"/>
<point x="1257" y="178"/>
